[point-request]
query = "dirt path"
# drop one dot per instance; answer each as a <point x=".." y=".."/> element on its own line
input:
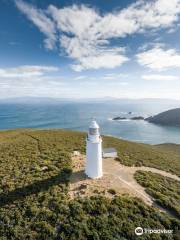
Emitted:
<point x="36" y="139"/>
<point x="154" y="170"/>
<point x="115" y="176"/>
<point x="126" y="176"/>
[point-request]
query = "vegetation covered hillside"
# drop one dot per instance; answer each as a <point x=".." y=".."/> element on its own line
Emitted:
<point x="138" y="154"/>
<point x="170" y="147"/>
<point x="164" y="190"/>
<point x="35" y="167"/>
<point x="170" y="117"/>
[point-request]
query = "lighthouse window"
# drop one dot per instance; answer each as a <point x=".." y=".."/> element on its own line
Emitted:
<point x="93" y="131"/>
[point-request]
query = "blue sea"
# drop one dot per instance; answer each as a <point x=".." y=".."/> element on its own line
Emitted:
<point x="77" y="116"/>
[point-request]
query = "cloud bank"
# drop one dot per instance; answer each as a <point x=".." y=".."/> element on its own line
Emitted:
<point x="158" y="77"/>
<point x="86" y="34"/>
<point x="26" y="71"/>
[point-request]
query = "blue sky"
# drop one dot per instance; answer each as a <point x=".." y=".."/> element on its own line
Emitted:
<point x="123" y="49"/>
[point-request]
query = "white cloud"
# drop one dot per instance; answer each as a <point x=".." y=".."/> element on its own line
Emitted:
<point x="159" y="59"/>
<point x="103" y="60"/>
<point x="158" y="77"/>
<point x="85" y="34"/>
<point x="80" y="77"/>
<point x="26" y="71"/>
<point x="114" y="76"/>
<point x="40" y="19"/>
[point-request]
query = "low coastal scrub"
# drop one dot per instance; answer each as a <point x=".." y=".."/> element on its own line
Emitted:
<point x="47" y="216"/>
<point x="110" y="219"/>
<point x="35" y="168"/>
<point x="164" y="190"/>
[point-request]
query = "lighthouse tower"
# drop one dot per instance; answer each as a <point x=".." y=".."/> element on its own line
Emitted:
<point x="94" y="152"/>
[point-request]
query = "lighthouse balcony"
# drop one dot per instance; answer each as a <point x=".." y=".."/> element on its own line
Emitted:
<point x="93" y="138"/>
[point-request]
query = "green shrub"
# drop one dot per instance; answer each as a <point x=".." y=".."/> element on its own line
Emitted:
<point x="112" y="191"/>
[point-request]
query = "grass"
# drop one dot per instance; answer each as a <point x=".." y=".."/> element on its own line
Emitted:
<point x="169" y="147"/>
<point x="164" y="190"/>
<point x="35" y="167"/>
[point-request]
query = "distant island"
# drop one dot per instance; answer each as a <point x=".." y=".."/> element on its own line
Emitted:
<point x="124" y="118"/>
<point x="119" y="118"/>
<point x="169" y="118"/>
<point x="137" y="118"/>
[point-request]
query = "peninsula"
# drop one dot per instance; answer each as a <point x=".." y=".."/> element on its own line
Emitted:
<point x="169" y="118"/>
<point x="45" y="194"/>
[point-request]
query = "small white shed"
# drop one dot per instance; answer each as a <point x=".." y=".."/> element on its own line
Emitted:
<point x="109" y="153"/>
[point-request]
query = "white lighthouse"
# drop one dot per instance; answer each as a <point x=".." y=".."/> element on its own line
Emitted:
<point x="94" y="152"/>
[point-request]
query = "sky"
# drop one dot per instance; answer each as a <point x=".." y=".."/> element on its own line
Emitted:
<point x="90" y="48"/>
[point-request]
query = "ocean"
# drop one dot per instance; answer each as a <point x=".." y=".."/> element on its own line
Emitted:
<point x="77" y="116"/>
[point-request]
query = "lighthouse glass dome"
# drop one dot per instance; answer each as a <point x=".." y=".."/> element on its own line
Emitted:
<point x="94" y="128"/>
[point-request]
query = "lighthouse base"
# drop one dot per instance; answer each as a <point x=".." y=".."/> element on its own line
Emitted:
<point x="93" y="177"/>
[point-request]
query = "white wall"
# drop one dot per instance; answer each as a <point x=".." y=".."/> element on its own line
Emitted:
<point x="94" y="158"/>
